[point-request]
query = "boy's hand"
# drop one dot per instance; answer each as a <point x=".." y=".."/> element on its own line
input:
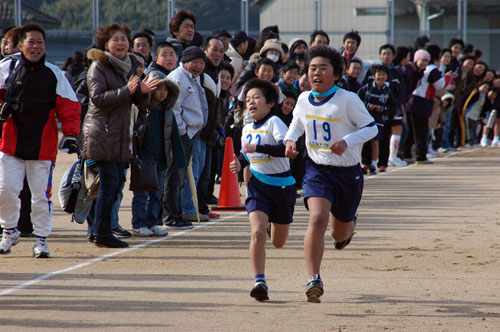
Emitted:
<point x="249" y="148"/>
<point x="234" y="165"/>
<point x="338" y="147"/>
<point x="290" y="150"/>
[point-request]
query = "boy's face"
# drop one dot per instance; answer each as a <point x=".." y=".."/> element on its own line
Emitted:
<point x="288" y="105"/>
<point x="161" y="93"/>
<point x="319" y="40"/>
<point x="380" y="78"/>
<point x="321" y="75"/>
<point x="167" y="58"/>
<point x="256" y="104"/>
<point x="422" y="64"/>
<point x="386" y="56"/>
<point x="354" y="70"/>
<point x="265" y="72"/>
<point x="290" y="76"/>
<point x="456" y="49"/>
<point x="350" y="46"/>
<point x="225" y="79"/>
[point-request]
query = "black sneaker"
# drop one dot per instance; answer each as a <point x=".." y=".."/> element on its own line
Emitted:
<point x="259" y="291"/>
<point x="314" y="290"/>
<point x="373" y="170"/>
<point x="213" y="200"/>
<point x="343" y="244"/>
<point x="110" y="242"/>
<point x="180" y="224"/>
<point x="121" y="232"/>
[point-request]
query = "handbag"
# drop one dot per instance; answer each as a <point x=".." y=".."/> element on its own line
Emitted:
<point x="143" y="176"/>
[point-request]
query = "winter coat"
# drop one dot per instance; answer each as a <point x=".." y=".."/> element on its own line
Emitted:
<point x="106" y="126"/>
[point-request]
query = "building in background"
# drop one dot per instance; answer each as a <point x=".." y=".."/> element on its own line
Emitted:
<point x="29" y="15"/>
<point x="476" y="20"/>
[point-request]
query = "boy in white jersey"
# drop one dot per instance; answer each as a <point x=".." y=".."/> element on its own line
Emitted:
<point x="271" y="192"/>
<point x="336" y="124"/>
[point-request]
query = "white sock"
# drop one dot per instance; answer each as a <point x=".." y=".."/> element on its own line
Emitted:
<point x="393" y="146"/>
<point x="496" y="138"/>
<point x="374" y="163"/>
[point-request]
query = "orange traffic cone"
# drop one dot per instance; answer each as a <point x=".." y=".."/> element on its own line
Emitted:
<point x="229" y="195"/>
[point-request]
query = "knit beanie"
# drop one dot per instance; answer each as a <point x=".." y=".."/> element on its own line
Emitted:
<point x="421" y="55"/>
<point x="192" y="53"/>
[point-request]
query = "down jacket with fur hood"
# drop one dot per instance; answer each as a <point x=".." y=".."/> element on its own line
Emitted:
<point x="105" y="129"/>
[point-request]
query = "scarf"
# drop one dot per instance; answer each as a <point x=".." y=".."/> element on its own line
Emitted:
<point x="122" y="66"/>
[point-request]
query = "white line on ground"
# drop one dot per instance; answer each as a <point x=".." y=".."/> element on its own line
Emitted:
<point x="116" y="253"/>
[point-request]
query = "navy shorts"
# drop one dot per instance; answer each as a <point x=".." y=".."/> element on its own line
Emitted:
<point x="342" y="186"/>
<point x="277" y="202"/>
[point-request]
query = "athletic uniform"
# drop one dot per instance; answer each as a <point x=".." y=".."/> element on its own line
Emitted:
<point x="337" y="178"/>
<point x="271" y="188"/>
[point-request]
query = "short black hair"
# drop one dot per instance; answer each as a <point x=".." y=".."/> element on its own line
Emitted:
<point x="149" y="32"/>
<point x="354" y="60"/>
<point x="454" y="41"/>
<point x="352" y="35"/>
<point x="468" y="48"/>
<point x="143" y="34"/>
<point x="164" y="44"/>
<point x="322" y="33"/>
<point x="269" y="90"/>
<point x="478" y="53"/>
<point x="467" y="57"/>
<point x="401" y="53"/>
<point x="289" y="65"/>
<point x="29" y="28"/>
<point x="434" y="51"/>
<point x="380" y="68"/>
<point x="207" y="40"/>
<point x="421" y="40"/>
<point x="327" y="52"/>
<point x="265" y="61"/>
<point x="224" y="65"/>
<point x="443" y="51"/>
<point x="285" y="48"/>
<point x="290" y="94"/>
<point x="387" y="46"/>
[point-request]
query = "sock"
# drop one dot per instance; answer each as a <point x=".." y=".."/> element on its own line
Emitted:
<point x="260" y="277"/>
<point x="315" y="277"/>
<point x="374" y="163"/>
<point x="496" y="138"/>
<point x="393" y="146"/>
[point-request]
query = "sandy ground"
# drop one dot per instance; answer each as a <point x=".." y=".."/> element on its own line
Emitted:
<point x="425" y="258"/>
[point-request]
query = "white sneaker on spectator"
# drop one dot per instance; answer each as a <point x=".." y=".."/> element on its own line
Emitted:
<point x="396" y="162"/>
<point x="158" y="231"/>
<point x="484" y="141"/>
<point x="431" y="155"/>
<point x="495" y="143"/>
<point x="143" y="232"/>
<point x="41" y="249"/>
<point x="442" y="150"/>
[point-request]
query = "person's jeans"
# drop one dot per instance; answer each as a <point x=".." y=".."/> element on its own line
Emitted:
<point x="146" y="205"/>
<point x="202" y="187"/>
<point x="175" y="180"/>
<point x="447" y="130"/>
<point x="112" y="176"/>
<point x="116" y="205"/>
<point x="198" y="160"/>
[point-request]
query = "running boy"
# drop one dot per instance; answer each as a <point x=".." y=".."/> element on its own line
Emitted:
<point x="336" y="124"/>
<point x="270" y="191"/>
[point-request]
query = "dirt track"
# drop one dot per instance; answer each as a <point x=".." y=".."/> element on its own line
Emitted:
<point x="425" y="258"/>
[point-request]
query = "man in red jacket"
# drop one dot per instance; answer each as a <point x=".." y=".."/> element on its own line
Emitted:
<point x="32" y="93"/>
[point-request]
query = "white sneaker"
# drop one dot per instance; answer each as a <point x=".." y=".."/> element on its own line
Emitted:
<point x="41" y="249"/>
<point x="9" y="239"/>
<point x="158" y="231"/>
<point x="495" y="143"/>
<point x="143" y="231"/>
<point x="396" y="162"/>
<point x="430" y="155"/>
<point x="442" y="150"/>
<point x="484" y="141"/>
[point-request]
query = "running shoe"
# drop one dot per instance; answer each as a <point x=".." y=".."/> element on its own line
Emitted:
<point x="259" y="291"/>
<point x="41" y="249"/>
<point x="314" y="290"/>
<point x="9" y="239"/>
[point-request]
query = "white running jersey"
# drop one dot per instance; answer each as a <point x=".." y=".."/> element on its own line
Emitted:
<point x="272" y="131"/>
<point x="340" y="117"/>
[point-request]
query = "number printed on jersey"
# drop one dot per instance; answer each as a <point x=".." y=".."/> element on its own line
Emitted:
<point x="255" y="137"/>
<point x="321" y="130"/>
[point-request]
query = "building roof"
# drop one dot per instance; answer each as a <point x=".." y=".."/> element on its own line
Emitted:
<point x="29" y="15"/>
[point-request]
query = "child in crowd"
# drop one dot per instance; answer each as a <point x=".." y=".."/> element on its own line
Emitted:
<point x="336" y="124"/>
<point x="349" y="80"/>
<point x="289" y="73"/>
<point x="153" y="130"/>
<point x="165" y="58"/>
<point x="270" y="191"/>
<point x="378" y="99"/>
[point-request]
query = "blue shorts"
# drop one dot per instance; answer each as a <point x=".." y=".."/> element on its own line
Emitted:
<point x="342" y="186"/>
<point x="277" y="202"/>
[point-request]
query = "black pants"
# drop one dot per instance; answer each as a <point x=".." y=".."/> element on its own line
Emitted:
<point x="418" y="128"/>
<point x="24" y="225"/>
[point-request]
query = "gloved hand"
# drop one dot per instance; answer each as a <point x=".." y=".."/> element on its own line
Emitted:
<point x="68" y="144"/>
